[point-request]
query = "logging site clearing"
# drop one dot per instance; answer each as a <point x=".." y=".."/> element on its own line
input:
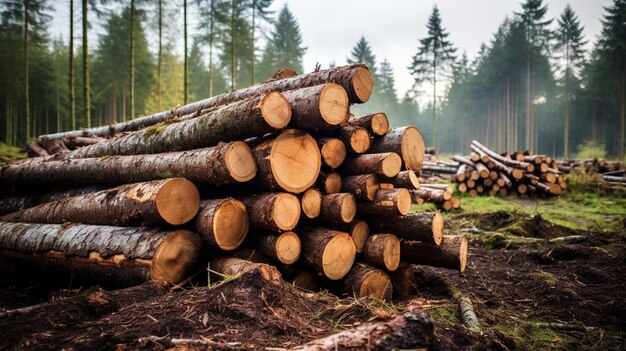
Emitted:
<point x="542" y="275"/>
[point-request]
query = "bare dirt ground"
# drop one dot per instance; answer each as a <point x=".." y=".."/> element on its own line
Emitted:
<point x="534" y="285"/>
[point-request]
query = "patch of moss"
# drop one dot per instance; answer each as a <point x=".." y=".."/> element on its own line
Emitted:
<point x="155" y="129"/>
<point x="9" y="153"/>
<point x="446" y="314"/>
<point x="544" y="277"/>
<point x="527" y="337"/>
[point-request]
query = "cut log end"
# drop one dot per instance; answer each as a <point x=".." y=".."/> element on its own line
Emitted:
<point x="286" y="211"/>
<point x="359" y="140"/>
<point x="360" y="232"/>
<point x="333" y="152"/>
<point x="333" y="104"/>
<point x="288" y="248"/>
<point x="311" y="203"/>
<point x="240" y="161"/>
<point x="404" y="201"/>
<point x="177" y="201"/>
<point x="380" y="124"/>
<point x="362" y="84"/>
<point x="338" y="256"/>
<point x="332" y="183"/>
<point x="412" y="149"/>
<point x="230" y="224"/>
<point x="176" y="258"/>
<point x="391" y="252"/>
<point x="364" y="280"/>
<point x="348" y="208"/>
<point x="391" y="165"/>
<point x="276" y="110"/>
<point x="437" y="228"/>
<point x="296" y="160"/>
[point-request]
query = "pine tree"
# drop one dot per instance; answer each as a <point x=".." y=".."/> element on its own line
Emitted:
<point x="434" y="57"/>
<point x="386" y="88"/>
<point x="284" y="47"/>
<point x="570" y="45"/>
<point x="258" y="8"/>
<point x="171" y="94"/>
<point x="362" y="53"/>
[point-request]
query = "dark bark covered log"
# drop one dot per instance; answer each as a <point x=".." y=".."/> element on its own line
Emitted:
<point x="451" y="254"/>
<point x="387" y="164"/>
<point x="365" y="280"/>
<point x="223" y="223"/>
<point x="403" y="281"/>
<point x="301" y="278"/>
<point x="338" y="208"/>
<point x="10" y="204"/>
<point x="388" y="201"/>
<point x="375" y="123"/>
<point x="221" y="164"/>
<point x="273" y="211"/>
<point x="172" y="201"/>
<point x="317" y="107"/>
<point x="421" y="226"/>
<point x="383" y="251"/>
<point x="406" y="142"/>
<point x="329" y="182"/>
<point x="291" y="162"/>
<point x="284" y="247"/>
<point x="248" y="118"/>
<point x="327" y="251"/>
<point x="356" y="139"/>
<point x="432" y="195"/>
<point x="228" y="266"/>
<point x="33" y="149"/>
<point x="358" y="230"/>
<point x="412" y="330"/>
<point x="405" y="179"/>
<point x="74" y="142"/>
<point x="53" y="146"/>
<point x="333" y="151"/>
<point x="363" y="187"/>
<point x="355" y="79"/>
<point x="311" y="202"/>
<point x="103" y="253"/>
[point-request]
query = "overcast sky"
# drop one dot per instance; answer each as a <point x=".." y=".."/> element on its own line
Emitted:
<point x="331" y="28"/>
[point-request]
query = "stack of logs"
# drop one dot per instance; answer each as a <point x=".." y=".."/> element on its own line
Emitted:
<point x="278" y="177"/>
<point x="612" y="174"/>
<point x="490" y="173"/>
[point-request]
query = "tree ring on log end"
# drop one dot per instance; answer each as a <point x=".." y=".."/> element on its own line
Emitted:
<point x="295" y="160"/>
<point x="177" y="256"/>
<point x="240" y="161"/>
<point x="230" y="224"/>
<point x="391" y="165"/>
<point x="338" y="256"/>
<point x="376" y="284"/>
<point x="437" y="226"/>
<point x="311" y="203"/>
<point x="414" y="179"/>
<point x="380" y="124"/>
<point x="286" y="211"/>
<point x="362" y="84"/>
<point x="391" y="252"/>
<point x="348" y="208"/>
<point x="360" y="232"/>
<point x="177" y="201"/>
<point x="412" y="147"/>
<point x="333" y="152"/>
<point x="288" y="247"/>
<point x="333" y="103"/>
<point x="360" y="140"/>
<point x="404" y="201"/>
<point x="276" y="110"/>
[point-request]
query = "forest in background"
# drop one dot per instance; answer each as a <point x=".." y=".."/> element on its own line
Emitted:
<point x="532" y="85"/>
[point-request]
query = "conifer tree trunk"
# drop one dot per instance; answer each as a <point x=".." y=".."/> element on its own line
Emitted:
<point x="567" y="113"/>
<point x="232" y="46"/>
<point x="211" y="52"/>
<point x="252" y="54"/>
<point x="86" y="97"/>
<point x="185" y="61"/>
<point x="132" y="59"/>
<point x="71" y="68"/>
<point x="160" y="55"/>
<point x="26" y="96"/>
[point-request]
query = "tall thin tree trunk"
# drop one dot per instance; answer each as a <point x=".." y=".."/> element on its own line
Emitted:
<point x="58" y="100"/>
<point x="26" y="96"/>
<point x="71" y="69"/>
<point x="233" y="83"/>
<point x="124" y="103"/>
<point x="252" y="55"/>
<point x="86" y="93"/>
<point x="160" y="58"/>
<point x="434" y="100"/>
<point x="132" y="59"/>
<point x="114" y="114"/>
<point x="185" y="40"/>
<point x="622" y="151"/>
<point x="7" y="131"/>
<point x="529" y="115"/>
<point x="567" y="107"/>
<point x="211" y="52"/>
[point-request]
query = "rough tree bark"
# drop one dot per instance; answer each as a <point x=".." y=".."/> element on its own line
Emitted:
<point x="273" y="211"/>
<point x="284" y="247"/>
<point x="333" y="151"/>
<point x="387" y="164"/>
<point x="451" y="254"/>
<point x="359" y="232"/>
<point x="375" y="123"/>
<point x="365" y="280"/>
<point x="406" y="142"/>
<point x="317" y="107"/>
<point x="363" y="187"/>
<point x="388" y="201"/>
<point x="337" y="208"/>
<point x="383" y="251"/>
<point x="421" y="226"/>
<point x="329" y="252"/>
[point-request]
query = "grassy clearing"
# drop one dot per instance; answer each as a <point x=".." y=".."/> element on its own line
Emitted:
<point x="8" y="153"/>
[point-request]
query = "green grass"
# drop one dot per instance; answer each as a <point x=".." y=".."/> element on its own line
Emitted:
<point x="528" y="337"/>
<point x="8" y="153"/>
<point x="446" y="314"/>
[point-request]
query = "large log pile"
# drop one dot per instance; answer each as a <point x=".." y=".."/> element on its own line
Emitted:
<point x="610" y="175"/>
<point x="277" y="177"/>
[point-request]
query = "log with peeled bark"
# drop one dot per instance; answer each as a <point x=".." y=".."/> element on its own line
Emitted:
<point x="245" y="119"/>
<point x="223" y="223"/>
<point x="172" y="201"/>
<point x="387" y="164"/>
<point x="337" y="208"/>
<point x="406" y="142"/>
<point x="421" y="226"/>
<point x="364" y="280"/>
<point x="105" y="254"/>
<point x="284" y="247"/>
<point x="388" y="201"/>
<point x="290" y="161"/>
<point x="10" y="204"/>
<point x="358" y="230"/>
<point x="355" y="79"/>
<point x="229" y="266"/>
<point x="222" y="164"/>
<point x="412" y="330"/>
<point x="311" y="202"/>
<point x="383" y="251"/>
<point x="375" y="123"/>
<point x="273" y="211"/>
<point x="333" y="151"/>
<point x="451" y="254"/>
<point x="405" y="179"/>
<point x="329" y="182"/>
<point x="317" y="107"/>
<point x="327" y="251"/>
<point x="363" y="186"/>
<point x="460" y="173"/>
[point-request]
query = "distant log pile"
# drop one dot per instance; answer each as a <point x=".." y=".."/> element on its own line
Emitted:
<point x="278" y="177"/>
<point x="612" y="175"/>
